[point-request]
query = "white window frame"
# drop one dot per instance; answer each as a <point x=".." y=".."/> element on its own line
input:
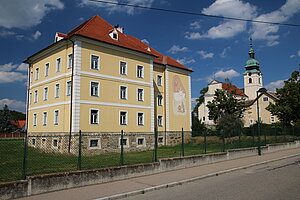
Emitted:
<point x="45" y="119"/>
<point x="68" y="88"/>
<point x="272" y="119"/>
<point x="58" y="64"/>
<point x="31" y="76"/>
<point x="143" y="119"/>
<point x="98" y="115"/>
<point x="36" y="96"/>
<point x="56" y="120"/>
<point x="46" y="92"/>
<point x="159" y="100"/>
<point x="126" y="92"/>
<point x="33" y="139"/>
<point x="70" y="61"/>
<point x="159" y="80"/>
<point x="98" y="90"/>
<point x="34" y="122"/>
<point x="251" y="121"/>
<point x="52" y="143"/>
<point x="30" y="98"/>
<point x="162" y="141"/>
<point x="127" y="142"/>
<point x="267" y="99"/>
<point x="43" y="142"/>
<point x="160" y="123"/>
<point x="138" y="94"/>
<point x="142" y="71"/>
<point x="126" y="118"/>
<point x="37" y="71"/>
<point x="56" y="90"/>
<point x="96" y="147"/>
<point x="47" y="67"/>
<point x="91" y="64"/>
<point x="140" y="145"/>
<point x="126" y="66"/>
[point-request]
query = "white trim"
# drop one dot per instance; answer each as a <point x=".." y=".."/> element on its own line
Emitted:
<point x="143" y="94"/>
<point x="56" y="94"/>
<point x="126" y="119"/>
<point x="58" y="69"/>
<point x="51" y="79"/>
<point x="113" y="104"/>
<point x="138" y="70"/>
<point x="162" y="121"/>
<point x="141" y="145"/>
<point x="98" y="116"/>
<point x="97" y="147"/>
<point x="114" y="77"/>
<point x="45" y="99"/>
<point x="69" y="66"/>
<point x="160" y="103"/>
<point x="176" y="70"/>
<point x="126" y="66"/>
<point x="190" y="102"/>
<point x="45" y="122"/>
<point x="91" y="62"/>
<point x="50" y="105"/>
<point x="167" y="99"/>
<point x="143" y="122"/>
<point x="48" y="63"/>
<point x="35" y="116"/>
<point x="36" y="73"/>
<point x="36" y="96"/>
<point x="56" y="124"/>
<point x="126" y="92"/>
<point x="127" y="143"/>
<point x="67" y="87"/>
<point x="152" y="96"/>
<point x="98" y="95"/>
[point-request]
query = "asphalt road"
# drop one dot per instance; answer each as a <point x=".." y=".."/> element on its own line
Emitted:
<point x="272" y="181"/>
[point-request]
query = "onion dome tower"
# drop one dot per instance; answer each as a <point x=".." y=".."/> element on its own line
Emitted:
<point x="252" y="75"/>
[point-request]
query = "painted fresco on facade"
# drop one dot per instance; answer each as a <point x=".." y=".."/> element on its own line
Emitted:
<point x="179" y="97"/>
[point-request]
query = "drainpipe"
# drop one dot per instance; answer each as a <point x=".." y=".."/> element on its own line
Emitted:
<point x="71" y="103"/>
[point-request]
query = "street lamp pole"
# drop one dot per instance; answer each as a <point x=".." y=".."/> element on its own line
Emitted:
<point x="262" y="90"/>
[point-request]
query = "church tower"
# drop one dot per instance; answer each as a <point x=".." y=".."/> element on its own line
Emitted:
<point x="252" y="75"/>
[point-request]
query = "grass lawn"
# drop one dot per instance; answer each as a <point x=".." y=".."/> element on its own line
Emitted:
<point x="12" y="153"/>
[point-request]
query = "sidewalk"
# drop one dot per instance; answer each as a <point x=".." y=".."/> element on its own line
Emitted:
<point x="161" y="180"/>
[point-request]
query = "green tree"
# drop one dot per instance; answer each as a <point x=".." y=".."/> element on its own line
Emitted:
<point x="198" y="127"/>
<point x="5" y="117"/>
<point x="200" y="100"/>
<point x="287" y="108"/>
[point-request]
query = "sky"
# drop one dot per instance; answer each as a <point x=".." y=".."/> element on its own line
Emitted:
<point x="212" y="48"/>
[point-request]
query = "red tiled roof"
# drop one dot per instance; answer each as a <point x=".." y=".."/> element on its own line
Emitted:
<point x="18" y="123"/>
<point x="233" y="89"/>
<point x="98" y="29"/>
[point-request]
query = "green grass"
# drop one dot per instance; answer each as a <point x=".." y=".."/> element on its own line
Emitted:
<point x="12" y="153"/>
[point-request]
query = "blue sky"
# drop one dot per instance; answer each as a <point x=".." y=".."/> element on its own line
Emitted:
<point x="213" y="48"/>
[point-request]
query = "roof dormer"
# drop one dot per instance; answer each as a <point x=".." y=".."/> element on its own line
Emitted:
<point x="59" y="36"/>
<point x="114" y="34"/>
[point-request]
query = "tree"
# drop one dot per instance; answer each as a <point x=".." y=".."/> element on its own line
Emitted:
<point x="200" y="100"/>
<point x="287" y="107"/>
<point x="5" y="117"/>
<point x="198" y="127"/>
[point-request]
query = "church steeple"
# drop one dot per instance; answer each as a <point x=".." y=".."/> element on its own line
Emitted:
<point x="251" y="50"/>
<point x="252" y="63"/>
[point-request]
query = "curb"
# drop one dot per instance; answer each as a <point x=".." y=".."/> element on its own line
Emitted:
<point x="172" y="184"/>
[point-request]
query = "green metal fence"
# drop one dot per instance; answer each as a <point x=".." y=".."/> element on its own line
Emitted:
<point x="43" y="153"/>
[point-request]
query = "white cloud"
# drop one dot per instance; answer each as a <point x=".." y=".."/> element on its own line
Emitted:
<point x="112" y="8"/>
<point x="193" y="36"/>
<point x="195" y="25"/>
<point x="13" y="104"/>
<point x="20" y="14"/>
<point x="221" y="74"/>
<point x="6" y="33"/>
<point x="276" y="84"/>
<point x="175" y="49"/>
<point x="268" y="31"/>
<point x="10" y="73"/>
<point x="224" y="52"/>
<point x="36" y="35"/>
<point x="194" y="102"/>
<point x="205" y="54"/>
<point x="145" y="41"/>
<point x="292" y="56"/>
<point x="299" y="53"/>
<point x="23" y="67"/>
<point x="185" y="61"/>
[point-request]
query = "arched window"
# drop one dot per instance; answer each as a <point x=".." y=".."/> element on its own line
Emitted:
<point x="259" y="80"/>
<point x="250" y="80"/>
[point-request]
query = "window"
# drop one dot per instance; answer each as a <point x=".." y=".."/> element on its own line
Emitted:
<point x="123" y="118"/>
<point x="57" y="90"/>
<point x="45" y="93"/>
<point x="94" y="119"/>
<point x="203" y="118"/>
<point x="30" y="98"/>
<point x="31" y="77"/>
<point x="43" y="142"/>
<point x="124" y="142"/>
<point x="94" y="62"/>
<point x="140" y="119"/>
<point x="69" y="88"/>
<point x="33" y="141"/>
<point x="123" y="92"/>
<point x="56" y="113"/>
<point x="34" y="119"/>
<point x="265" y="99"/>
<point x="140" y="71"/>
<point x="55" y="143"/>
<point x="70" y="61"/>
<point x="115" y="36"/>
<point x="159" y="100"/>
<point x="35" y="96"/>
<point x="250" y="80"/>
<point x="140" y="142"/>
<point x="140" y="94"/>
<point x="44" y="118"/>
<point x="47" y="66"/>
<point x="251" y="121"/>
<point x="94" y="143"/>
<point x="159" y="120"/>
<point x="160" y="140"/>
<point x="123" y="68"/>
<point x="37" y="70"/>
<point x="159" y="80"/>
<point x="94" y="89"/>
<point x="58" y="63"/>
<point x="272" y="119"/>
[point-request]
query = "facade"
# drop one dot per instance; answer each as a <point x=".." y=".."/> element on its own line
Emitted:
<point x="252" y="83"/>
<point x="96" y="78"/>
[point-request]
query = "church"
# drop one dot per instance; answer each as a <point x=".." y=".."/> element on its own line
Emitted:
<point x="253" y="82"/>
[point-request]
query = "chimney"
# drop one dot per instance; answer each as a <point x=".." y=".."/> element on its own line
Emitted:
<point x="121" y="29"/>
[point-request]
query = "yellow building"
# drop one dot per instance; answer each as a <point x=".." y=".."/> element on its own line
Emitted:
<point x="96" y="78"/>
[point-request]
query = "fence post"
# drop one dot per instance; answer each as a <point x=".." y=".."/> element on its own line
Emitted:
<point x="205" y="133"/>
<point x="79" y="152"/>
<point x="239" y="130"/>
<point x="122" y="149"/>
<point x="182" y="142"/>
<point x="155" y="144"/>
<point x="24" y="171"/>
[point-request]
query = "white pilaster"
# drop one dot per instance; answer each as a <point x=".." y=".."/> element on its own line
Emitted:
<point x="152" y="95"/>
<point x="190" y="102"/>
<point x="167" y="99"/>
<point x="76" y="88"/>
